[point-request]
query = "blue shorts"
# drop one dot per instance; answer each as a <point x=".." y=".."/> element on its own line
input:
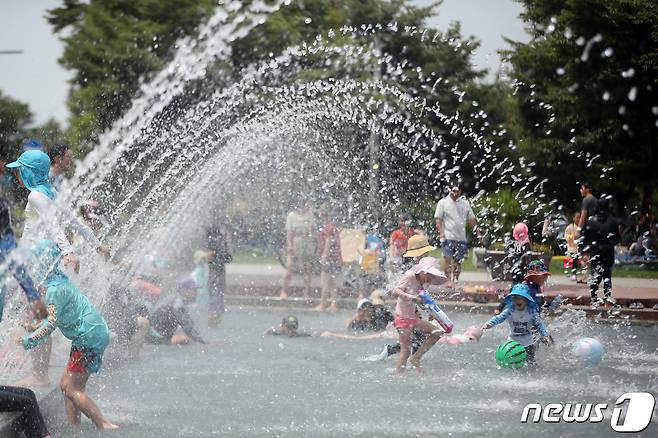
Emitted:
<point x="455" y="249"/>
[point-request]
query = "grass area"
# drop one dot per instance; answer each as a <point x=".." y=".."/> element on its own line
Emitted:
<point x="255" y="257"/>
<point x="557" y="267"/>
<point x="259" y="257"/>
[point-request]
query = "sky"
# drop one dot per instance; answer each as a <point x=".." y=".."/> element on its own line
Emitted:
<point x="35" y="76"/>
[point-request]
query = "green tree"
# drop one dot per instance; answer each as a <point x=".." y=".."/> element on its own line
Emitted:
<point x="15" y="117"/>
<point x="587" y="86"/>
<point x="110" y="45"/>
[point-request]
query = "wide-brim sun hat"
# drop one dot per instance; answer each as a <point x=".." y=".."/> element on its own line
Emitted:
<point x="418" y="245"/>
<point x="32" y="158"/>
<point x="430" y="265"/>
<point x="377" y="297"/>
<point x="521" y="290"/>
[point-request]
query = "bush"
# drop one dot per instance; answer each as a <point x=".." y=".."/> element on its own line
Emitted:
<point x="499" y="211"/>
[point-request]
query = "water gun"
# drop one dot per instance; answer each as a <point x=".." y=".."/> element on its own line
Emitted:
<point x="436" y="311"/>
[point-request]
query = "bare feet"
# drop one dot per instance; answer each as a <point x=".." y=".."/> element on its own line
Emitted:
<point x="319" y="308"/>
<point x="414" y="362"/>
<point x="283" y="295"/>
<point x="332" y="308"/>
<point x="34" y="381"/>
<point x="108" y="426"/>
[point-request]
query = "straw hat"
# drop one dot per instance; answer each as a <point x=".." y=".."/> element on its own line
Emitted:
<point x="377" y="297"/>
<point x="418" y="245"/>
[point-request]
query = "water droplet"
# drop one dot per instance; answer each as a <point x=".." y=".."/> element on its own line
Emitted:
<point x="628" y="73"/>
<point x="632" y="94"/>
<point x="606" y="96"/>
<point x="560" y="71"/>
<point x="608" y="52"/>
<point x="308" y="20"/>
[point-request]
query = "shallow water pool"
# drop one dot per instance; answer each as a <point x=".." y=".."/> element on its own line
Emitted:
<point x="247" y="384"/>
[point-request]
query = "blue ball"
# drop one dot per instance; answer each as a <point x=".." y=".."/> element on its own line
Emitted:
<point x="588" y="351"/>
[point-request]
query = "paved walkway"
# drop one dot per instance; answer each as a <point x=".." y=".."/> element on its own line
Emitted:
<point x="266" y="280"/>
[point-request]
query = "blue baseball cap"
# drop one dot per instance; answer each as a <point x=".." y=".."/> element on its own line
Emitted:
<point x="32" y="144"/>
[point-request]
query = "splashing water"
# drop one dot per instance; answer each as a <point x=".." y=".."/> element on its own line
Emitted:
<point x="271" y="132"/>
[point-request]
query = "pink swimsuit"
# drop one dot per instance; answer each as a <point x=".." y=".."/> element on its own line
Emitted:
<point x="405" y="310"/>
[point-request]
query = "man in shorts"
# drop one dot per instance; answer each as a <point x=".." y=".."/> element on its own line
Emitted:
<point x="452" y="215"/>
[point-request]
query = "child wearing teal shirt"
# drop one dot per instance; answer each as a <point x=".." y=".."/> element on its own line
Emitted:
<point x="70" y="311"/>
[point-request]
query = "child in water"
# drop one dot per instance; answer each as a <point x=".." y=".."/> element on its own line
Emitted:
<point x="522" y="314"/>
<point x="289" y="327"/>
<point x="70" y="311"/>
<point x="167" y="318"/>
<point x="417" y="278"/>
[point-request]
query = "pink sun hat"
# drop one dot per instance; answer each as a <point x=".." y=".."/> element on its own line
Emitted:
<point x="430" y="265"/>
<point x="520" y="233"/>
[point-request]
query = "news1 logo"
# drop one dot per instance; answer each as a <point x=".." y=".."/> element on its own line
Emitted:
<point x="637" y="406"/>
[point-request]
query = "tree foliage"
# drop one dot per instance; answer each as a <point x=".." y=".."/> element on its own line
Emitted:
<point x="15" y="118"/>
<point x="110" y="45"/>
<point x="587" y="85"/>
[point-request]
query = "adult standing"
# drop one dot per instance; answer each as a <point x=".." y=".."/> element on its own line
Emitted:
<point x="453" y="213"/>
<point x="397" y="246"/>
<point x="588" y="206"/>
<point x="61" y="162"/>
<point x="330" y="263"/>
<point x="300" y="231"/>
<point x="587" y="210"/>
<point x="600" y="235"/>
<point x="43" y="220"/>
<point x="219" y="256"/>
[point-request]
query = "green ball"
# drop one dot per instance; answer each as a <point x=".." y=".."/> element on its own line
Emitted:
<point x="511" y="354"/>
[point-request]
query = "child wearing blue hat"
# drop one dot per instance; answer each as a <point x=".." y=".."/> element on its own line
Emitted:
<point x="70" y="311"/>
<point x="522" y="314"/>
<point x="44" y="220"/>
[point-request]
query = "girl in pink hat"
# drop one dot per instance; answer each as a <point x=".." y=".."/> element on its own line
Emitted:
<point x="517" y="253"/>
<point x="418" y="277"/>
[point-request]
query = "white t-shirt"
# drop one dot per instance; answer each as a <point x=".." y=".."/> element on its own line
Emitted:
<point x="454" y="215"/>
<point x="44" y="221"/>
<point x="302" y="228"/>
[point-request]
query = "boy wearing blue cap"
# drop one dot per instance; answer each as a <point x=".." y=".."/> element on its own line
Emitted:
<point x="70" y="311"/>
<point x="44" y="220"/>
<point x="522" y="314"/>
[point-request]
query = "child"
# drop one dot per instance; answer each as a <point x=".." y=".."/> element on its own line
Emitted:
<point x="166" y="319"/>
<point x="571" y="234"/>
<point x="535" y="276"/>
<point x="288" y="327"/>
<point x="516" y="258"/>
<point x="70" y="311"/>
<point x="522" y="315"/>
<point x="418" y="277"/>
